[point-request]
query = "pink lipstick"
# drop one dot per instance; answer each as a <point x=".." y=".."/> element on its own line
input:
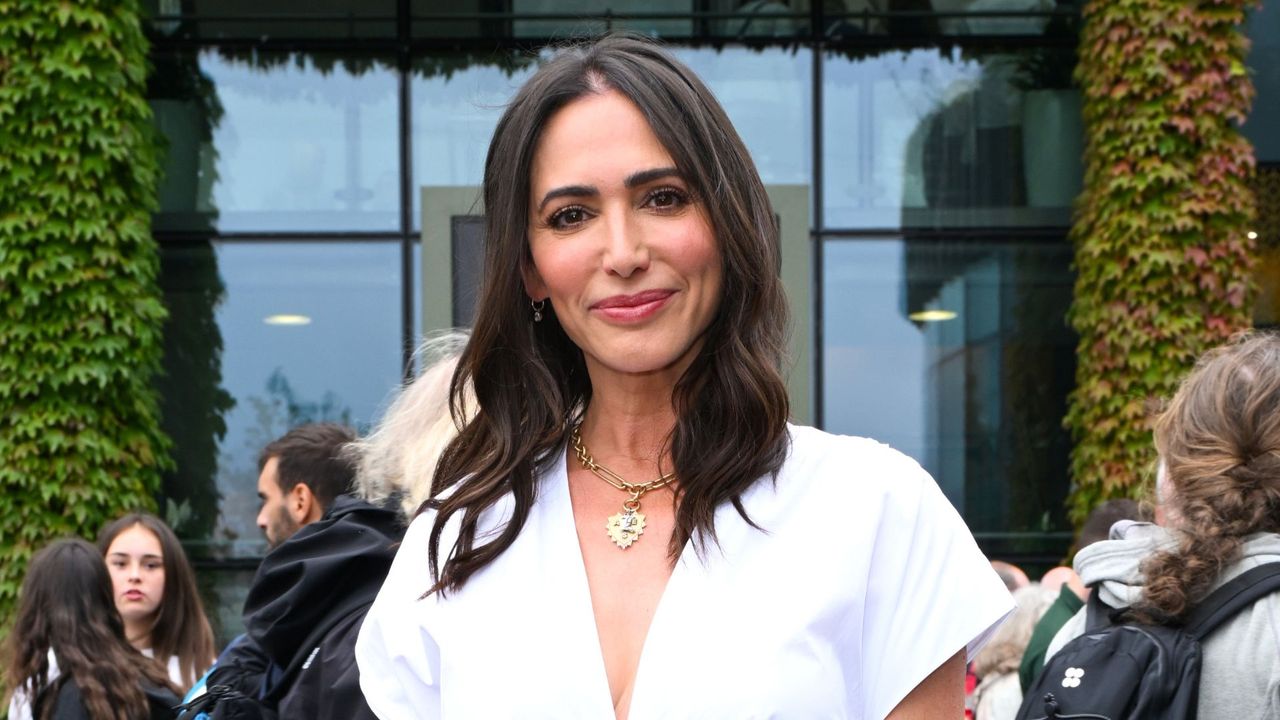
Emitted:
<point x="632" y="308"/>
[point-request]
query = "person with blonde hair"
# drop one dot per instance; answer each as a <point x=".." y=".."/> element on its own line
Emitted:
<point x="998" y="694"/>
<point x="311" y="592"/>
<point x="1218" y="508"/>
<point x="398" y="458"/>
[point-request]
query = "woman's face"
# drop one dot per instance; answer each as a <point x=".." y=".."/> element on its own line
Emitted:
<point x="136" y="563"/>
<point x="620" y="247"/>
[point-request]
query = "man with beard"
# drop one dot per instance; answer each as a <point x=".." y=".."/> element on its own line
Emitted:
<point x="299" y="475"/>
<point x="329" y="554"/>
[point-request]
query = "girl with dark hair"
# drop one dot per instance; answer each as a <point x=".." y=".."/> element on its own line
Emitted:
<point x="155" y="592"/>
<point x="66" y="656"/>
<point x="628" y="525"/>
<point x="1218" y="516"/>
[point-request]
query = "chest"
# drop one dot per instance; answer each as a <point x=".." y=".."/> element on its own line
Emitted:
<point x="566" y="624"/>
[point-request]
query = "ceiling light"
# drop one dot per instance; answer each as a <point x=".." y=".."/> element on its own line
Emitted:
<point x="286" y="319"/>
<point x="933" y="315"/>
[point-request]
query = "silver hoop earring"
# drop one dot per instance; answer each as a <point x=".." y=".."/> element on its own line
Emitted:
<point x="537" y="306"/>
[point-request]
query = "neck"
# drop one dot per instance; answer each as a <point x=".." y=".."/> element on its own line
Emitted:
<point x="138" y="633"/>
<point x="630" y="417"/>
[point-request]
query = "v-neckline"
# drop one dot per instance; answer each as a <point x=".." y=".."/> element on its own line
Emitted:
<point x="567" y="526"/>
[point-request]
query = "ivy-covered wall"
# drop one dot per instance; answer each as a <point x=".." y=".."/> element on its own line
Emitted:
<point x="1164" y="263"/>
<point x="80" y="312"/>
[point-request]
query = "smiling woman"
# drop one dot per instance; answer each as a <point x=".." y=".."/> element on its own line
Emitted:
<point x="619" y="247"/>
<point x="629" y="478"/>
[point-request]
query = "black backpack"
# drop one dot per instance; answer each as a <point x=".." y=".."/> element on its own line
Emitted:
<point x="1127" y="671"/>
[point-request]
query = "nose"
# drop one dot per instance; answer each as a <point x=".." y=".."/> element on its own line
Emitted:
<point x="135" y="572"/>
<point x="626" y="251"/>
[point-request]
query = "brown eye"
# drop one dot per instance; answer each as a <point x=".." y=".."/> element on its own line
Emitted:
<point x="667" y="199"/>
<point x="568" y="217"/>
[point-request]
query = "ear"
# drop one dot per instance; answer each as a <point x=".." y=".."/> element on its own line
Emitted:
<point x="533" y="284"/>
<point x="302" y="504"/>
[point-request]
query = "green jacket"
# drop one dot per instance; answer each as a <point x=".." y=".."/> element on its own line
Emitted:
<point x="1062" y="610"/>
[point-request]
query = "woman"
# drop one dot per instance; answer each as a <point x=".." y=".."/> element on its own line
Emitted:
<point x="155" y="592"/>
<point x="629" y="480"/>
<point x="66" y="656"/>
<point x="1218" y="515"/>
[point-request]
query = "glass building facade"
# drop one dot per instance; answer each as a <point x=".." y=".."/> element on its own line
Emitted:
<point x="319" y="207"/>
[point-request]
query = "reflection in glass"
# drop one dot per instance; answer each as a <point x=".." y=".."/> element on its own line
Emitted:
<point x="1266" y="233"/>
<point x="456" y="105"/>
<point x="296" y="144"/>
<point x="193" y="401"/>
<point x="256" y="20"/>
<point x="560" y="19"/>
<point x="977" y="398"/>
<point x="1264" y="65"/>
<point x="185" y="110"/>
<point x="339" y="366"/>
<point x="983" y="19"/>
<point x="767" y="94"/>
<point x="927" y="138"/>
<point x="768" y="97"/>
<point x="569" y="26"/>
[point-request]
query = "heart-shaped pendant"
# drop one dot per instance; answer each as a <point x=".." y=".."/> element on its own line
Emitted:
<point x="625" y="527"/>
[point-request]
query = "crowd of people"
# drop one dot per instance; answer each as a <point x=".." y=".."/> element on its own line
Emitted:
<point x="595" y="506"/>
<point x="1005" y="668"/>
<point x="118" y="632"/>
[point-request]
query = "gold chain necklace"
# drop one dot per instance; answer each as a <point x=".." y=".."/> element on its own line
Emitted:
<point x="625" y="527"/>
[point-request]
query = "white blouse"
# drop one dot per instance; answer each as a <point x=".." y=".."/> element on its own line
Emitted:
<point x="863" y="582"/>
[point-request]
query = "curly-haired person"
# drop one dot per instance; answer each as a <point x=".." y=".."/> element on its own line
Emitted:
<point x="1218" y="514"/>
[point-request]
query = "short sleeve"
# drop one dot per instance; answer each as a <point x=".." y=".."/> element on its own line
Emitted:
<point x="398" y="658"/>
<point x="930" y="593"/>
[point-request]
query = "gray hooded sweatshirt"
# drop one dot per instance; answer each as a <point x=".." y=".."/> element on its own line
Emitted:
<point x="1240" y="674"/>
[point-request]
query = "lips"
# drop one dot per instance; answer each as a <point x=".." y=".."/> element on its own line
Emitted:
<point x="633" y="307"/>
<point x="133" y="595"/>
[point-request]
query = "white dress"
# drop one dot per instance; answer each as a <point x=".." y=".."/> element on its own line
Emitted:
<point x="864" y="581"/>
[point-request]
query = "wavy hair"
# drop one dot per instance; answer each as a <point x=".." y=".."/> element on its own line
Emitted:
<point x="1219" y="440"/>
<point x="181" y="627"/>
<point x="530" y="380"/>
<point x="399" y="458"/>
<point x="66" y="606"/>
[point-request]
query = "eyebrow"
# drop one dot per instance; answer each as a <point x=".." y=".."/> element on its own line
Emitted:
<point x="633" y="180"/>
<point x="126" y="556"/>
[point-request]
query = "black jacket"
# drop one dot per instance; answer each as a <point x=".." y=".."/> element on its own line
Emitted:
<point x="69" y="704"/>
<point x="307" y="602"/>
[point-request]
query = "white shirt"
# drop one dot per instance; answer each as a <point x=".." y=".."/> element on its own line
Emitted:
<point x="20" y="703"/>
<point x="864" y="582"/>
<point x="175" y="670"/>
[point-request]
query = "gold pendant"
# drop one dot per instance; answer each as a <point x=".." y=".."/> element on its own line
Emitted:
<point x="625" y="527"/>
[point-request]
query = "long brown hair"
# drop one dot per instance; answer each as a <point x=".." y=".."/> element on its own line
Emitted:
<point x="1219" y="440"/>
<point x="66" y="605"/>
<point x="530" y="381"/>
<point x="181" y="627"/>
